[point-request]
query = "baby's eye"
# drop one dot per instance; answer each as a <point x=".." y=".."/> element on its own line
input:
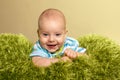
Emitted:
<point x="44" y="34"/>
<point x="58" y="34"/>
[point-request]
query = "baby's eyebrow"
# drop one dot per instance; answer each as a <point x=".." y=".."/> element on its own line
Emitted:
<point x="58" y="32"/>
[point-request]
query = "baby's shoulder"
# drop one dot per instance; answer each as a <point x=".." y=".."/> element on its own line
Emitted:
<point x="70" y="40"/>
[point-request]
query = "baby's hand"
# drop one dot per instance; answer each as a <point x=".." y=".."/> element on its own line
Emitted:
<point x="65" y="59"/>
<point x="71" y="54"/>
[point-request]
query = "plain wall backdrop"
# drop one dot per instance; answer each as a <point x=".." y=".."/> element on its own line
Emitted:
<point x="83" y="16"/>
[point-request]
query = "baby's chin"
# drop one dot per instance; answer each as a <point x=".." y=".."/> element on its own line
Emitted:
<point x="53" y="50"/>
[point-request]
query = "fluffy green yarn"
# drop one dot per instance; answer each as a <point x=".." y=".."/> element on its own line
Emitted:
<point x="14" y="53"/>
<point x="104" y="56"/>
<point x="103" y="63"/>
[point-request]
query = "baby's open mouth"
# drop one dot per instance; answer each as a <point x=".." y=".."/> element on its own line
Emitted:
<point x="51" y="45"/>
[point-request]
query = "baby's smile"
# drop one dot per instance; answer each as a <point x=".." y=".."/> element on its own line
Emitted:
<point x="51" y="46"/>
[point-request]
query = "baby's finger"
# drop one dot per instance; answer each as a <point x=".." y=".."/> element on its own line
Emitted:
<point x="74" y="55"/>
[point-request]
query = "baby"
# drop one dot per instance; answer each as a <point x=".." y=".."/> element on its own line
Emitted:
<point x="53" y="44"/>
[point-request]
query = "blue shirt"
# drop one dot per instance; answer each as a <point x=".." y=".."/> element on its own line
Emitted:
<point x="69" y="43"/>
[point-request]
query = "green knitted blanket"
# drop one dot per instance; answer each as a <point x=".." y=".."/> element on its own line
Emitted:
<point x="103" y="62"/>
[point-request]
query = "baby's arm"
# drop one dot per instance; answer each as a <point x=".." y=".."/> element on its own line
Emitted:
<point x="45" y="62"/>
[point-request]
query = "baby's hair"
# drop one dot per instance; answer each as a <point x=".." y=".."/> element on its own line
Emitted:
<point x="51" y="13"/>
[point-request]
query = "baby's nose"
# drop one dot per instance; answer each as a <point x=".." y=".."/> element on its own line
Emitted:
<point x="51" y="38"/>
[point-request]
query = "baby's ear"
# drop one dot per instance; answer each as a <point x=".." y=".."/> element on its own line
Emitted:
<point x="66" y="31"/>
<point x="38" y="32"/>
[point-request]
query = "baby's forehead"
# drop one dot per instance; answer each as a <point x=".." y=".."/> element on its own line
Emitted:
<point x="52" y="27"/>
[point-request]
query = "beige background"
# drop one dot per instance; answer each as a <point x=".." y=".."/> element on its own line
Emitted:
<point x="83" y="16"/>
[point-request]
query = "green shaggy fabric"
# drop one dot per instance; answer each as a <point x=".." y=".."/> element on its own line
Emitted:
<point x="14" y="51"/>
<point x="105" y="57"/>
<point x="103" y="62"/>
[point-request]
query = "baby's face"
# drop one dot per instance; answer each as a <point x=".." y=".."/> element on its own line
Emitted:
<point x="52" y="34"/>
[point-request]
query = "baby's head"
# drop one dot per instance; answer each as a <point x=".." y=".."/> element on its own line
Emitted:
<point x="52" y="29"/>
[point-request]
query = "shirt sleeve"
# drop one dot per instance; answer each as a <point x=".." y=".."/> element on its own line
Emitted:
<point x="74" y="45"/>
<point x="79" y="49"/>
<point x="38" y="51"/>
